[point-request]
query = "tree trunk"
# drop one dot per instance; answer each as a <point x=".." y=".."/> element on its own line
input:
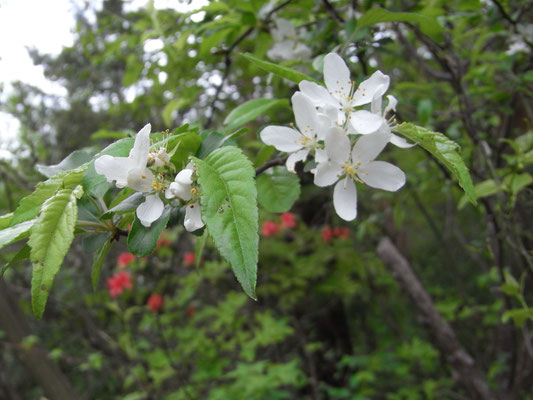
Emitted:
<point x="462" y="364"/>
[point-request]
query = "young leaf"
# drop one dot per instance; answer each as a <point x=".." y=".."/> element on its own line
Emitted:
<point x="279" y="70"/>
<point x="14" y="233"/>
<point x="444" y="150"/>
<point x="229" y="210"/>
<point x="142" y="240"/>
<point x="277" y="189"/>
<point x="128" y="204"/>
<point x="251" y="110"/>
<point x="50" y="240"/>
<point x="98" y="260"/>
<point x="5" y="220"/>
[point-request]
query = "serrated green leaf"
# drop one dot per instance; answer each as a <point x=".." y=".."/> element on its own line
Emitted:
<point x="30" y="205"/>
<point x="22" y="254"/>
<point x="99" y="258"/>
<point x="444" y="150"/>
<point x="428" y="25"/>
<point x="50" y="240"/>
<point x="142" y="240"/>
<point x="277" y="189"/>
<point x="16" y="232"/>
<point x="279" y="70"/>
<point x="229" y="210"/>
<point x="251" y="110"/>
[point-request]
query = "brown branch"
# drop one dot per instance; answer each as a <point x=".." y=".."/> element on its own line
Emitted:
<point x="270" y="163"/>
<point x="462" y="364"/>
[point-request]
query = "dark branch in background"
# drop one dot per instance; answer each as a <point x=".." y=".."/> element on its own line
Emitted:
<point x="462" y="364"/>
<point x="227" y="59"/>
<point x="271" y="163"/>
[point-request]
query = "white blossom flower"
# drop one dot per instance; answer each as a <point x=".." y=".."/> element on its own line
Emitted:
<point x="160" y="158"/>
<point x="299" y="142"/>
<point x="287" y="45"/>
<point x="182" y="188"/>
<point x="193" y="217"/>
<point x="132" y="172"/>
<point x="346" y="167"/>
<point x="340" y="96"/>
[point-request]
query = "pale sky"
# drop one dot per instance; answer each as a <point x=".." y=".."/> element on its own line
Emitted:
<point x="46" y="25"/>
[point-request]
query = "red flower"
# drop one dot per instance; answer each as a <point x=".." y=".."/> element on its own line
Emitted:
<point x="327" y="234"/>
<point x="118" y="282"/>
<point x="124" y="259"/>
<point x="270" y="228"/>
<point x="288" y="220"/>
<point x="188" y="258"/>
<point x="342" y="232"/>
<point x="191" y="310"/>
<point x="155" y="302"/>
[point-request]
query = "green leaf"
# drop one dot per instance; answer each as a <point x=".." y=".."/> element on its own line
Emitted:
<point x="428" y="25"/>
<point x="279" y="70"/>
<point x="14" y="233"/>
<point x="277" y="189"/>
<point x="189" y="143"/>
<point x="98" y="260"/>
<point x="5" y="220"/>
<point x="50" y="240"/>
<point x="30" y="205"/>
<point x="72" y="161"/>
<point x="229" y="210"/>
<point x="251" y="110"/>
<point x="142" y="240"/>
<point x="519" y="316"/>
<point x="444" y="150"/>
<point x="22" y="254"/>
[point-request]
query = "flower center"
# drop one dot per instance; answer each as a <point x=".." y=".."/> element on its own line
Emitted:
<point x="352" y="170"/>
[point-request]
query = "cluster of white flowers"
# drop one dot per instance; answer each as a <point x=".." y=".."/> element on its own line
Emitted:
<point x="329" y="119"/>
<point x="137" y="172"/>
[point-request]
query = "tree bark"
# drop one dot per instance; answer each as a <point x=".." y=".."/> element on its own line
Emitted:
<point x="55" y="384"/>
<point x="462" y="364"/>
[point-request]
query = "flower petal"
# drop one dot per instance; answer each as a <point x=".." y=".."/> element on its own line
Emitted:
<point x="318" y="95"/>
<point x="184" y="176"/>
<point x="114" y="168"/>
<point x="300" y="155"/>
<point x="382" y="175"/>
<point x="337" y="77"/>
<point x="150" y="210"/>
<point x="345" y="199"/>
<point x="368" y="147"/>
<point x="391" y="106"/>
<point x="140" y="179"/>
<point x="365" y="122"/>
<point x="305" y="115"/>
<point x="337" y="145"/>
<point x="282" y="138"/>
<point x="327" y="173"/>
<point x="321" y="156"/>
<point x="179" y="190"/>
<point x="400" y="142"/>
<point x="377" y="83"/>
<point x="141" y="147"/>
<point x="193" y="217"/>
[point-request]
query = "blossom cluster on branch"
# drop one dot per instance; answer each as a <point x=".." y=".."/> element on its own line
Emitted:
<point x="344" y="127"/>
